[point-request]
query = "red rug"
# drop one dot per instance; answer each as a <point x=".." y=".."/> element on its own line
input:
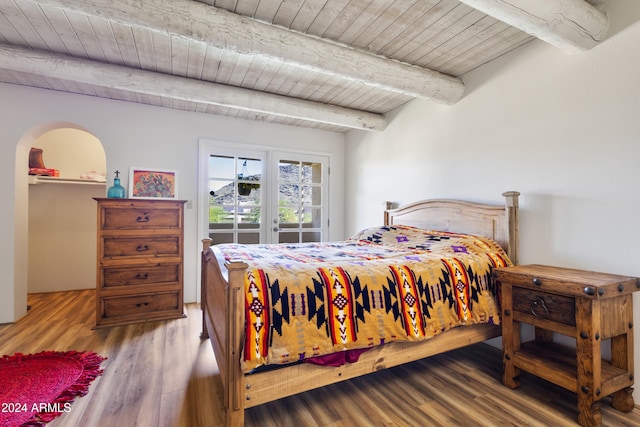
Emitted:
<point x="36" y="388"/>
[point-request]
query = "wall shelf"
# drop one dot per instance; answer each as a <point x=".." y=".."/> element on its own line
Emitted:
<point x="37" y="179"/>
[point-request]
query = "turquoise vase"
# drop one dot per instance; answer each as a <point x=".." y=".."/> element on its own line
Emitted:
<point x="117" y="191"/>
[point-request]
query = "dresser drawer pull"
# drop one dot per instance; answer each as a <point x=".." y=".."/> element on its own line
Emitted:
<point x="538" y="305"/>
<point x="142" y="248"/>
<point x="142" y="304"/>
<point x="537" y="281"/>
<point x="142" y="276"/>
<point x="143" y="218"/>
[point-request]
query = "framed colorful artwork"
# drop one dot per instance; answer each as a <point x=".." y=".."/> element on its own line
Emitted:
<point x="145" y="183"/>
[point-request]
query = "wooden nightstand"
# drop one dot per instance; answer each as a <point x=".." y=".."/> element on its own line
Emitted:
<point x="590" y="307"/>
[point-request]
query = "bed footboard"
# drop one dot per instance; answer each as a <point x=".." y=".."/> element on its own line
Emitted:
<point x="222" y="304"/>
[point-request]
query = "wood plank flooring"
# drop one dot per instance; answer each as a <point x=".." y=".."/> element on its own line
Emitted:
<point x="162" y="374"/>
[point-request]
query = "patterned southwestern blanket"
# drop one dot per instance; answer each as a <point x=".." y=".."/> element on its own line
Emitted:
<point x="389" y="283"/>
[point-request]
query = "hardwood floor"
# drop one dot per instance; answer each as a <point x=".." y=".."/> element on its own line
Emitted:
<point x="162" y="374"/>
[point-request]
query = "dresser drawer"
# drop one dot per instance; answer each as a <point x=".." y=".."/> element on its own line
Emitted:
<point x="142" y="305"/>
<point x="543" y="305"/>
<point x="115" y="247"/>
<point x="153" y="274"/>
<point x="143" y="215"/>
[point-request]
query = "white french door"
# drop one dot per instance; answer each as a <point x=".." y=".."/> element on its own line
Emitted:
<point x="262" y="196"/>
<point x="300" y="212"/>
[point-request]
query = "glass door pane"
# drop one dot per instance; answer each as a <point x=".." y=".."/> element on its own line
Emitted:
<point x="300" y="196"/>
<point x="235" y="198"/>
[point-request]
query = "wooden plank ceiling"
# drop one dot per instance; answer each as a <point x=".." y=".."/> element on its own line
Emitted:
<point x="327" y="64"/>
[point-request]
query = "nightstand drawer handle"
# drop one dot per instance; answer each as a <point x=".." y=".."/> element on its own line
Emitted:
<point x="142" y="248"/>
<point x="537" y="305"/>
<point x="143" y="218"/>
<point x="537" y="281"/>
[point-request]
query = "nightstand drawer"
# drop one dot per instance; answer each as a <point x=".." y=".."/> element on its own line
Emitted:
<point x="543" y="305"/>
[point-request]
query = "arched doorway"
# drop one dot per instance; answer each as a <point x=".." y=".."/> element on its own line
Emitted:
<point x="56" y="137"/>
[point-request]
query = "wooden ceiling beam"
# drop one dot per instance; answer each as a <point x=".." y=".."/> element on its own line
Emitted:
<point x="225" y="30"/>
<point x="572" y="25"/>
<point x="181" y="88"/>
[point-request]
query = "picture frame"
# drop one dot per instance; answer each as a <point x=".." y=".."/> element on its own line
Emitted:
<point x="149" y="183"/>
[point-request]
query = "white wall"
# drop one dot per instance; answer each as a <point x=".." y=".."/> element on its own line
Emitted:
<point x="62" y="236"/>
<point x="132" y="135"/>
<point x="563" y="130"/>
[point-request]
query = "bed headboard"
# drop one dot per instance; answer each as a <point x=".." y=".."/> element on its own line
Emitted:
<point x="498" y="222"/>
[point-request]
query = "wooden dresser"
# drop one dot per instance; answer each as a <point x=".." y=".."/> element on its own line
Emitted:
<point x="139" y="260"/>
<point x="589" y="307"/>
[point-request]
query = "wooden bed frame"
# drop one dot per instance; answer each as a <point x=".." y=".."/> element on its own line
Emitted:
<point x="223" y="311"/>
